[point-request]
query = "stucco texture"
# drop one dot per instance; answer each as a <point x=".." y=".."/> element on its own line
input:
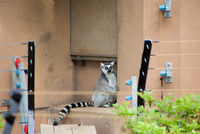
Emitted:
<point x="47" y="22"/>
<point x="179" y="39"/>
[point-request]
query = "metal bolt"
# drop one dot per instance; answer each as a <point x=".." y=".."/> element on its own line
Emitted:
<point x="147" y="46"/>
<point x="143" y="73"/>
<point x="145" y="60"/>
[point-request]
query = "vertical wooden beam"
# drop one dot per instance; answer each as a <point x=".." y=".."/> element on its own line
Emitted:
<point x="144" y="69"/>
<point x="31" y="87"/>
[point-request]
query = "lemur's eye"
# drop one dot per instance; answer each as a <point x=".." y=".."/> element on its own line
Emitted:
<point x="106" y="68"/>
<point x="110" y="67"/>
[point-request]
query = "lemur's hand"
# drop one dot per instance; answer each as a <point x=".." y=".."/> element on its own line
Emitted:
<point x="117" y="88"/>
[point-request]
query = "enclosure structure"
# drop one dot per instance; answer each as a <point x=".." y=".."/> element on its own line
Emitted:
<point x="119" y="27"/>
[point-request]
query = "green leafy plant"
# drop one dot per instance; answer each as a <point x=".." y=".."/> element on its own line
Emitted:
<point x="1" y="123"/>
<point x="170" y="115"/>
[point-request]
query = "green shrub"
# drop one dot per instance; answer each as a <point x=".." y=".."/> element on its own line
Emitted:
<point x="170" y="115"/>
<point x="1" y="123"/>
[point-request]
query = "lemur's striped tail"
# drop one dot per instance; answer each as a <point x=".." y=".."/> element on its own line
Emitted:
<point x="62" y="114"/>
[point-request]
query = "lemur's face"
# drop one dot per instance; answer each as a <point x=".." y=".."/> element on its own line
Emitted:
<point x="107" y="67"/>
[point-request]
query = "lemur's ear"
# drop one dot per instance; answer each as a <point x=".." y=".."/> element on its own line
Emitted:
<point x="101" y="65"/>
<point x="112" y="63"/>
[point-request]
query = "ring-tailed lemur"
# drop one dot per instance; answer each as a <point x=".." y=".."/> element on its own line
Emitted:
<point x="104" y="95"/>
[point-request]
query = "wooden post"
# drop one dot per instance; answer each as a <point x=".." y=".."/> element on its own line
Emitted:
<point x="31" y="87"/>
<point x="144" y="69"/>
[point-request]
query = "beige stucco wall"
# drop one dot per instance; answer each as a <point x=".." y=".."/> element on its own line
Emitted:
<point x="130" y="42"/>
<point x="94" y="28"/>
<point x="182" y="33"/>
<point x="48" y="24"/>
<point x="159" y="28"/>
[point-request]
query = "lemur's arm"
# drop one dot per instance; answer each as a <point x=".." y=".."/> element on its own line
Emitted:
<point x="112" y="90"/>
<point x="117" y="88"/>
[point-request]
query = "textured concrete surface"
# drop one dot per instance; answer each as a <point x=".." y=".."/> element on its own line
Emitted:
<point x="48" y="24"/>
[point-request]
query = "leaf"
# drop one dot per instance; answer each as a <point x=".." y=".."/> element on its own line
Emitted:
<point x="176" y="117"/>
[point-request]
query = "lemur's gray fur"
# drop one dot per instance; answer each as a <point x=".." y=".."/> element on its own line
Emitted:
<point x="105" y="92"/>
<point x="106" y="88"/>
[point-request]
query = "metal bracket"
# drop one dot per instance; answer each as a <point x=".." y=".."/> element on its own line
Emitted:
<point x="168" y="78"/>
<point x="168" y="4"/>
<point x="166" y="8"/>
<point x="6" y="102"/>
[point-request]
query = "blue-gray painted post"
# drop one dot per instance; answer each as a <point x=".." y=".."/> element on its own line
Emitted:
<point x="23" y="107"/>
<point x="134" y="92"/>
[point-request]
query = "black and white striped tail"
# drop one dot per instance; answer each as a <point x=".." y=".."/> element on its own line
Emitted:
<point x="62" y="114"/>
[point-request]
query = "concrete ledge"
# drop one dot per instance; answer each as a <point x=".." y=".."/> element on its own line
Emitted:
<point x="103" y="120"/>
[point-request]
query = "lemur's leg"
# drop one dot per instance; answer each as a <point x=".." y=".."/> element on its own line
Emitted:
<point x="112" y="100"/>
<point x="101" y="99"/>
